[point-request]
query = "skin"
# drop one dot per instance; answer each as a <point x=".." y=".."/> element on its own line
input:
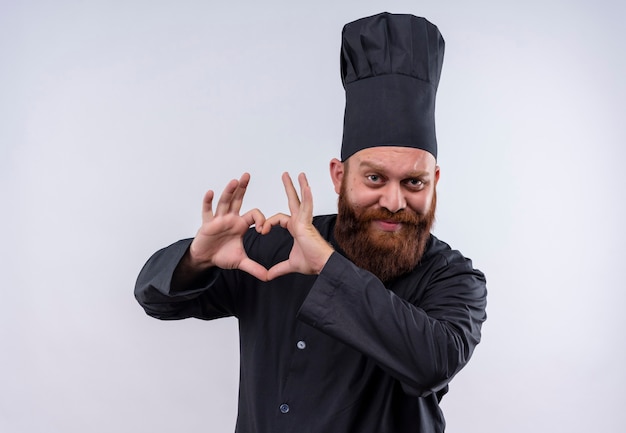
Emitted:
<point x="394" y="178"/>
<point x="218" y="241"/>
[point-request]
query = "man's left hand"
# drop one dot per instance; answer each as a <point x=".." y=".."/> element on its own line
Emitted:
<point x="310" y="251"/>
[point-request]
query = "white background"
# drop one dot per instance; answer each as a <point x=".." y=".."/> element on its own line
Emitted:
<point x="115" y="117"/>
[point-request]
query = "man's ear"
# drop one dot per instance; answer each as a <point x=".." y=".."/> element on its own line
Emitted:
<point x="436" y="174"/>
<point x="337" y="171"/>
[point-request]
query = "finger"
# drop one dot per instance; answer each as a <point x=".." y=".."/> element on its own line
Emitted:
<point x="237" y="199"/>
<point x="292" y="196"/>
<point x="307" y="198"/>
<point x="253" y="268"/>
<point x="279" y="269"/>
<point x="254" y="217"/>
<point x="278" y="219"/>
<point x="207" y="206"/>
<point x="223" y="204"/>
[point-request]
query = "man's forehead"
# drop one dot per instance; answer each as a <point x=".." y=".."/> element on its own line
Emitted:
<point x="394" y="157"/>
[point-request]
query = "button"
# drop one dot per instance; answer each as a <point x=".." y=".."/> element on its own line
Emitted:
<point x="284" y="408"/>
<point x="301" y="345"/>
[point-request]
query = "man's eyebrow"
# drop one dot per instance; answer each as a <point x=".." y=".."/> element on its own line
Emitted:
<point x="378" y="168"/>
<point x="371" y="166"/>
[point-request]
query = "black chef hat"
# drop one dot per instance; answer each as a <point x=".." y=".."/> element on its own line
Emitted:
<point x="390" y="68"/>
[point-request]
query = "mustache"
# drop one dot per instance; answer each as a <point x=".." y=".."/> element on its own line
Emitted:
<point x="403" y="216"/>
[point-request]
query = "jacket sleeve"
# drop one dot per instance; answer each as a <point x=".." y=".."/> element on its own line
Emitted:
<point x="208" y="297"/>
<point x="422" y="344"/>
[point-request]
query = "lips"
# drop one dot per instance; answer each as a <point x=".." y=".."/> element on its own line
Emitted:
<point x="387" y="225"/>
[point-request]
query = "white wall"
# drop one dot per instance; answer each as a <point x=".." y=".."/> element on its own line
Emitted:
<point x="115" y="117"/>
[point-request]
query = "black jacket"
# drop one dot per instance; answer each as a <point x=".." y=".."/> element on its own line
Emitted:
<point x="338" y="352"/>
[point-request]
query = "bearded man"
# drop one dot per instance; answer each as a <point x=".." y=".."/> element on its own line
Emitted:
<point x="349" y="323"/>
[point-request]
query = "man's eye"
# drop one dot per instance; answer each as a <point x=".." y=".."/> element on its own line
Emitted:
<point x="415" y="182"/>
<point x="373" y="177"/>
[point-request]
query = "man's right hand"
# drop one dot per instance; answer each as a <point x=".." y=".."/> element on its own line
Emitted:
<point x="219" y="241"/>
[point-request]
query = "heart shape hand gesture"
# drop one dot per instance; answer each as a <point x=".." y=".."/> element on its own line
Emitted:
<point x="219" y="241"/>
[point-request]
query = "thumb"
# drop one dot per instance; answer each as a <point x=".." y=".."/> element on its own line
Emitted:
<point x="279" y="269"/>
<point x="253" y="268"/>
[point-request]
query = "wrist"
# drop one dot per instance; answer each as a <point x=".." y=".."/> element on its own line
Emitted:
<point x="325" y="258"/>
<point x="193" y="262"/>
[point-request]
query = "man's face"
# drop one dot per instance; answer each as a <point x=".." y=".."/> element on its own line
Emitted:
<point x="387" y="203"/>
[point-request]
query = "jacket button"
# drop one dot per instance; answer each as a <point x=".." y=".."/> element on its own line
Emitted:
<point x="284" y="408"/>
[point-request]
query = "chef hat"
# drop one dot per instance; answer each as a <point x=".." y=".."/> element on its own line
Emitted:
<point x="390" y="69"/>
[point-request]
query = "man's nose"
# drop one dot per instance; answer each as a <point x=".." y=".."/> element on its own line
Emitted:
<point x="392" y="198"/>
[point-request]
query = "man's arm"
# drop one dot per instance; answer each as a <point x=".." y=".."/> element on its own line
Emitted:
<point x="163" y="298"/>
<point x="424" y="345"/>
<point x="171" y="282"/>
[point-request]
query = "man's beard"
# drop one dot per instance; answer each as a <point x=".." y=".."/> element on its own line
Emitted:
<point x="385" y="254"/>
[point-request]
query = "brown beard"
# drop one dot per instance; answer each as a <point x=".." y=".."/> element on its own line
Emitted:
<point x="385" y="254"/>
